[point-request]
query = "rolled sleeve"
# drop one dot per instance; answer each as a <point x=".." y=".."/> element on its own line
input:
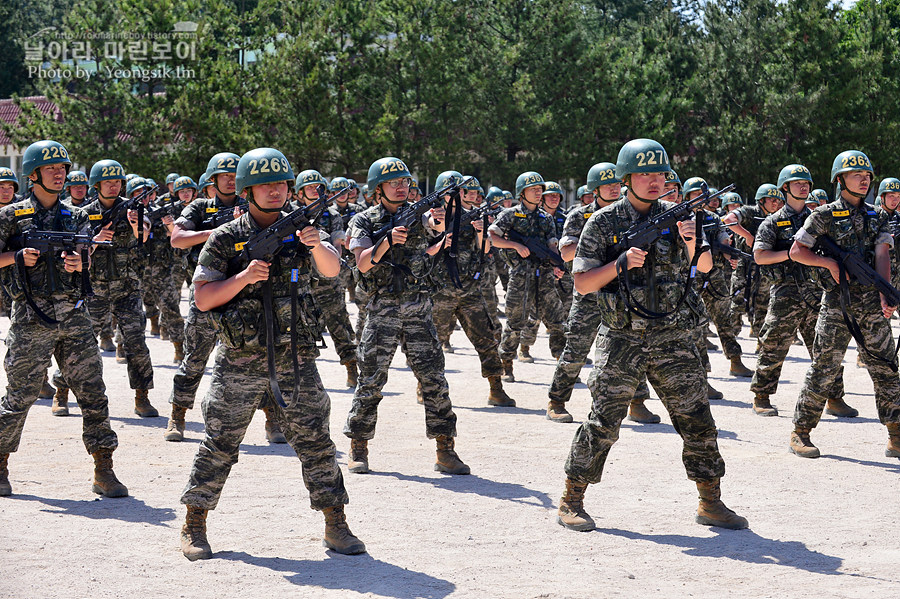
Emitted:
<point x="804" y="237"/>
<point x="585" y="264"/>
<point x="204" y="273"/>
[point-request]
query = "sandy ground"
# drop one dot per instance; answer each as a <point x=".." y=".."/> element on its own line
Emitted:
<point x="819" y="528"/>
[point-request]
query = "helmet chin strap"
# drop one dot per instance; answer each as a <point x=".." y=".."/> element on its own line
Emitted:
<point x="252" y="200"/>
<point x="103" y="196"/>
<point x="383" y="196"/>
<point x="40" y="181"/>
<point x="631" y="191"/>
<point x="848" y="190"/>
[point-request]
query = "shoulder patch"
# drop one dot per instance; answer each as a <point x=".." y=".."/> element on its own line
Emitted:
<point x="587" y="214"/>
<point x="24" y="211"/>
<point x="783" y="223"/>
<point x="239" y="246"/>
<point x="95" y="217"/>
<point x="840" y="213"/>
<point x="519" y="214"/>
<point x="212" y="210"/>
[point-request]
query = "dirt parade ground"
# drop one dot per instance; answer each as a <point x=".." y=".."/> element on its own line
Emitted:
<point x="818" y="528"/>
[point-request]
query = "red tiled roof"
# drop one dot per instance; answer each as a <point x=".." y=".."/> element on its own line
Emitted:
<point x="9" y="112"/>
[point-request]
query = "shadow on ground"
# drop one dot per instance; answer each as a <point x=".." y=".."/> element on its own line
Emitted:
<point x="479" y="486"/>
<point x="126" y="509"/>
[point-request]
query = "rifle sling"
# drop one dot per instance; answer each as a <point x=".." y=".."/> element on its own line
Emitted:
<point x="853" y="324"/>
<point x="26" y="287"/>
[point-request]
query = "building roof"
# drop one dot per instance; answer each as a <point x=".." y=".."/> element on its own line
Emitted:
<point x="9" y="112"/>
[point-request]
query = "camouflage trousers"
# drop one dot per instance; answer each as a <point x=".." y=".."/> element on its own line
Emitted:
<point x="124" y="303"/>
<point x="582" y="328"/>
<point x="564" y="290"/>
<point x="489" y="292"/>
<point x="829" y="347"/>
<point x="759" y="296"/>
<point x="5" y="303"/>
<point x="163" y="298"/>
<point x="531" y="289"/>
<point x="362" y="302"/>
<point x="329" y="297"/>
<point x="471" y="309"/>
<point x="240" y="384"/>
<point x="30" y="345"/>
<point x="199" y="342"/>
<point x="668" y="359"/>
<point x="405" y="321"/>
<point x="717" y="297"/>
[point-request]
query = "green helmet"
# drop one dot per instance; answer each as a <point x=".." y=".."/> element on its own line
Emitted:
<point x="223" y="162"/>
<point x="851" y="160"/>
<point x="183" y="183"/>
<point x="7" y="174"/>
<point x="582" y="191"/>
<point x="414" y="184"/>
<point x="309" y="177"/>
<point x="672" y="177"/>
<point x="602" y="173"/>
<point x="44" y="152"/>
<point x="473" y="185"/>
<point x="203" y="182"/>
<point x="888" y="184"/>
<point x="135" y="184"/>
<point x="106" y="170"/>
<point x="526" y="180"/>
<point x="507" y="195"/>
<point x="811" y="199"/>
<point x="386" y="169"/>
<point x="820" y="195"/>
<point x="553" y="187"/>
<point x="353" y="184"/>
<point x="171" y="178"/>
<point x="767" y="190"/>
<point x="494" y="193"/>
<point x="338" y="184"/>
<point x="447" y="178"/>
<point x="131" y="176"/>
<point x="262" y="165"/>
<point x="693" y="184"/>
<point x="793" y="172"/>
<point x="731" y="198"/>
<point x="641" y="156"/>
<point x="365" y="191"/>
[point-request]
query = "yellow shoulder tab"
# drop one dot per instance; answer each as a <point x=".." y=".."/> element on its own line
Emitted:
<point x="519" y="214"/>
<point x="587" y="214"/>
<point x="212" y="210"/>
<point x="783" y="223"/>
<point x="841" y="213"/>
<point x="24" y="211"/>
<point x="239" y="246"/>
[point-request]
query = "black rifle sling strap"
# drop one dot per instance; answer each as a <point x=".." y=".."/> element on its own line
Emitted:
<point x="26" y="287"/>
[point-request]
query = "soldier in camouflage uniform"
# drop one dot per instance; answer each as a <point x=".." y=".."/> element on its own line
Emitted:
<point x="532" y="285"/>
<point x="632" y="348"/>
<point x="343" y="209"/>
<point x="888" y="200"/>
<point x="9" y="187"/>
<point x="584" y="315"/>
<point x="467" y="303"/>
<point x="855" y="227"/>
<point x="393" y="270"/>
<point x="30" y="341"/>
<point x="230" y="286"/>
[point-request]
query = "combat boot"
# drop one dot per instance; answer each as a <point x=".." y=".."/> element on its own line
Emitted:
<point x="106" y="344"/>
<point x="571" y="512"/>
<point x="556" y="412"/>
<point x="763" y="407"/>
<point x="638" y="412"/>
<point x="60" y="405"/>
<point x="498" y="396"/>
<point x="142" y="405"/>
<point x="47" y="390"/>
<point x="175" y="428"/>
<point x="712" y="512"/>
<point x="892" y="451"/>
<point x="154" y="325"/>
<point x="121" y="357"/>
<point x="446" y="347"/>
<point x="163" y="333"/>
<point x="194" y="545"/>
<point x="801" y="444"/>
<point x="525" y="354"/>
<point x="738" y="368"/>
<point x="179" y="351"/>
<point x="710" y="346"/>
<point x="420" y="398"/>
<point x="337" y="534"/>
<point x="273" y="431"/>
<point x="838" y="407"/>
<point x="447" y="460"/>
<point x="713" y="393"/>
<point x="105" y="481"/>
<point x="5" y="487"/>
<point x="359" y="456"/>
<point x="352" y="374"/>
<point x="508" y="376"/>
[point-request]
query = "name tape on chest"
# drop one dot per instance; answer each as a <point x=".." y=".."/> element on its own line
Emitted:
<point x="95" y="217"/>
<point x="25" y="211"/>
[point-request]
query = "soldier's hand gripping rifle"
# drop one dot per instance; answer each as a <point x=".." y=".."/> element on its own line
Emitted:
<point x="119" y="213"/>
<point x="466" y="218"/>
<point x="50" y="244"/>
<point x="645" y="233"/>
<point x="220" y="217"/>
<point x="265" y="245"/>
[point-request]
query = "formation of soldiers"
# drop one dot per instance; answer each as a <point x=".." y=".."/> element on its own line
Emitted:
<point x="639" y="267"/>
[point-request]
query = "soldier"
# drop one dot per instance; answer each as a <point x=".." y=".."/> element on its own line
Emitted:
<point x="9" y="187"/>
<point x="415" y="194"/>
<point x="393" y="270"/>
<point x="662" y="350"/>
<point x="888" y="201"/>
<point x="170" y="184"/>
<point x="585" y="316"/>
<point x="231" y="286"/>
<point x="490" y="270"/>
<point x="344" y="209"/>
<point x="467" y="302"/>
<point x="327" y="291"/>
<point x="30" y="341"/>
<point x="532" y="283"/>
<point x="855" y="227"/>
<point x="731" y="201"/>
<point x="584" y="195"/>
<point x="820" y="195"/>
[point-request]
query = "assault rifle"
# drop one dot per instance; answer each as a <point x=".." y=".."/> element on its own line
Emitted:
<point x="717" y="247"/>
<point x="538" y="250"/>
<point x="119" y="212"/>
<point x="221" y="216"/>
<point x="465" y="218"/>
<point x="50" y="244"/>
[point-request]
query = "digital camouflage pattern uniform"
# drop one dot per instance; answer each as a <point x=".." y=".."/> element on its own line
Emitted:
<point x="857" y="230"/>
<point x="162" y="294"/>
<point x="240" y="379"/>
<point x="564" y="287"/>
<point x="749" y="217"/>
<point x="664" y="351"/>
<point x="716" y="289"/>
<point x="31" y="343"/>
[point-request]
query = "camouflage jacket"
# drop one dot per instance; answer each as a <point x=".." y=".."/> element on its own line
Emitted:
<point x="470" y="260"/>
<point x="202" y="214"/>
<point x="777" y="233"/>
<point x="123" y="260"/>
<point x="536" y="223"/>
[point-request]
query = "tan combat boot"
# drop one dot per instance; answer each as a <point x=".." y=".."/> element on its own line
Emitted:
<point x="60" y="405"/>
<point x="446" y="347"/>
<point x="738" y="368"/>
<point x="179" y="352"/>
<point x="121" y="357"/>
<point x="359" y="456"/>
<point x="712" y="512"/>
<point x="638" y="412"/>
<point x="571" y="512"/>
<point x="893" y="446"/>
<point x="175" y="428"/>
<point x="838" y="407"/>
<point x="47" y="389"/>
<point x="498" y="396"/>
<point x="763" y="407"/>
<point x="508" y="376"/>
<point x="556" y="412"/>
<point x="337" y="534"/>
<point x="5" y="487"/>
<point x="154" y="325"/>
<point x="801" y="444"/>
<point x="273" y="431"/>
<point x="447" y="460"/>
<point x="525" y="354"/>
<point x="106" y="344"/>
<point x="420" y="397"/>
<point x="105" y="481"/>
<point x="194" y="545"/>
<point x="142" y="406"/>
<point x="352" y="374"/>
<point x="713" y="393"/>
